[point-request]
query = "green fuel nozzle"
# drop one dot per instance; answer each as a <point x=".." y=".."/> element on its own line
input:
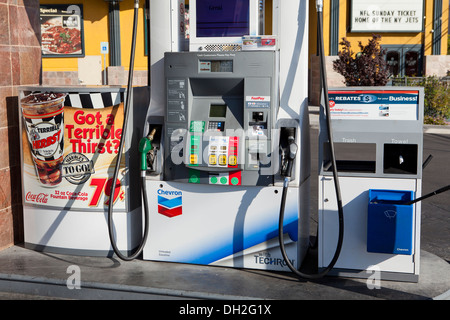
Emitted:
<point x="145" y="146"/>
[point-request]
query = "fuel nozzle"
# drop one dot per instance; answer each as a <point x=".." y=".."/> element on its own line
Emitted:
<point x="151" y="136"/>
<point x="145" y="146"/>
<point x="288" y="150"/>
<point x="319" y="5"/>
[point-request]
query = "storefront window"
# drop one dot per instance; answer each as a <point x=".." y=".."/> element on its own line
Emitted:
<point x="393" y="61"/>
<point x="404" y="61"/>
<point x="411" y="64"/>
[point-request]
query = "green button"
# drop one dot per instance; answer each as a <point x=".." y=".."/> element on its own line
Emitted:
<point x="193" y="179"/>
<point x="213" y="180"/>
<point x="234" y="181"/>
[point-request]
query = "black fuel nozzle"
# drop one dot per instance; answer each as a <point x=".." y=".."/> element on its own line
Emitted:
<point x="288" y="150"/>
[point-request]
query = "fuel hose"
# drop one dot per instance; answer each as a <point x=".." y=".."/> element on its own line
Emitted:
<point x="324" y="85"/>
<point x="126" y="111"/>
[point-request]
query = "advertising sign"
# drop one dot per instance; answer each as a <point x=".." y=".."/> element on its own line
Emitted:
<point x="387" y="16"/>
<point x="62" y="30"/>
<point x="70" y="143"/>
<point x="374" y="104"/>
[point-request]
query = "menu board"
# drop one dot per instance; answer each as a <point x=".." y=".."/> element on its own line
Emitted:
<point x="62" y="33"/>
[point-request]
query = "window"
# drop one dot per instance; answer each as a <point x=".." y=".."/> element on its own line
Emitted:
<point x="404" y="60"/>
<point x="393" y="62"/>
<point x="412" y="64"/>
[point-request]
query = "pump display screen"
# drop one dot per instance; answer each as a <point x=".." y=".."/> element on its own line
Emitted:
<point x="215" y="66"/>
<point x="218" y="110"/>
<point x="223" y="18"/>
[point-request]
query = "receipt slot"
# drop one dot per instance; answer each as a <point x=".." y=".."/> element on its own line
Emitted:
<point x="378" y="136"/>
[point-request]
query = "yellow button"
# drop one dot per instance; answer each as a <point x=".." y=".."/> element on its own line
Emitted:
<point x="213" y="159"/>
<point x="223" y="160"/>
<point x="232" y="160"/>
<point x="194" y="159"/>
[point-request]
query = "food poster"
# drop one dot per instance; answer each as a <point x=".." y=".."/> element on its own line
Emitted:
<point x="70" y="143"/>
<point x="62" y="30"/>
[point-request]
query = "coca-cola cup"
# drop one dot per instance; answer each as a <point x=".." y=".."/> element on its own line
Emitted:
<point x="43" y="117"/>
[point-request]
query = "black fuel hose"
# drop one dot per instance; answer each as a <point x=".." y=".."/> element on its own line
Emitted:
<point x="119" y="156"/>
<point x="324" y="86"/>
<point x="431" y="194"/>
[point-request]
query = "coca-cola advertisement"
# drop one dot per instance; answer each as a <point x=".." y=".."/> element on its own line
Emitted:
<point x="62" y="30"/>
<point x="70" y="142"/>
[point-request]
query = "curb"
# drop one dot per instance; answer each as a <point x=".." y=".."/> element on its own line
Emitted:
<point x="435" y="129"/>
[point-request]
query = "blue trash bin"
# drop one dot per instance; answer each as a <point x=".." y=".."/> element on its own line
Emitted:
<point x="390" y="222"/>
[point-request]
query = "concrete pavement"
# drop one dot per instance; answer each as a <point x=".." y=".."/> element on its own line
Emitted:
<point x="35" y="275"/>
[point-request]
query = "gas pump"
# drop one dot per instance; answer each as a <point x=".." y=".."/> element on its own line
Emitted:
<point x="225" y="167"/>
<point x="218" y="114"/>
<point x="226" y="139"/>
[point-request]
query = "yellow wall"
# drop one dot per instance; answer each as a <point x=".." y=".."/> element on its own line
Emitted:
<point x="95" y="15"/>
<point x="96" y="30"/>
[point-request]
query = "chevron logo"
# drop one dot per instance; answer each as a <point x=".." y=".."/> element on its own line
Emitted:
<point x="170" y="207"/>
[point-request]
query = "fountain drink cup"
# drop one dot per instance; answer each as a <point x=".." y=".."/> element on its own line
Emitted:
<point x="43" y="116"/>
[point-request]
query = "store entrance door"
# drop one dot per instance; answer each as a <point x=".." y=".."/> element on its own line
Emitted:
<point x="404" y="61"/>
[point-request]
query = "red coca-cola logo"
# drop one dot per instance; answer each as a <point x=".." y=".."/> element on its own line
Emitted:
<point x="38" y="198"/>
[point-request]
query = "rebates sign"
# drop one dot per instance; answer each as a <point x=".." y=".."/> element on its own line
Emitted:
<point x="374" y="104"/>
<point x="387" y="15"/>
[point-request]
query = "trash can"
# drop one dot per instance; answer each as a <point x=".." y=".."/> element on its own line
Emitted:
<point x="390" y="222"/>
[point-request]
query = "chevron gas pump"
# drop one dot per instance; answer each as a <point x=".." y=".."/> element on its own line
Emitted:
<point x="218" y="115"/>
<point x="228" y="176"/>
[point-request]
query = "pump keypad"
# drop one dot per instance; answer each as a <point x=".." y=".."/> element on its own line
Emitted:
<point x="216" y="125"/>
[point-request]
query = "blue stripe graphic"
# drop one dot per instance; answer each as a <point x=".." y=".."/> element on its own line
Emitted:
<point x="216" y="249"/>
